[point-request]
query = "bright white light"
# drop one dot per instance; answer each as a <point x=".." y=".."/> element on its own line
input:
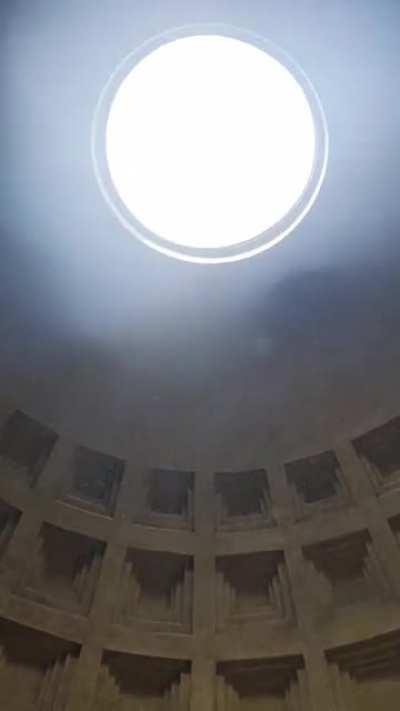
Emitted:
<point x="209" y="141"/>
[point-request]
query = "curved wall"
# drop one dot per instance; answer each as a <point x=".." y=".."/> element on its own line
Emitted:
<point x="125" y="587"/>
<point x="126" y="350"/>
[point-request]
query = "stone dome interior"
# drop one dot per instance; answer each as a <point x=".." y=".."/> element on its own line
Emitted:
<point x="199" y="464"/>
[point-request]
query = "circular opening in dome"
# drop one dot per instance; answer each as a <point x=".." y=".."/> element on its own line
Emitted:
<point x="209" y="146"/>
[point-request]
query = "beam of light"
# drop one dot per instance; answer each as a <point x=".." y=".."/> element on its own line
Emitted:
<point x="210" y="141"/>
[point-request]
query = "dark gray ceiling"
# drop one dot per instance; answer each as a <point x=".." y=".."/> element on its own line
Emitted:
<point x="126" y="349"/>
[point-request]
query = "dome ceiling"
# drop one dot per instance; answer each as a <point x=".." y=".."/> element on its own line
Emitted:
<point x="126" y="349"/>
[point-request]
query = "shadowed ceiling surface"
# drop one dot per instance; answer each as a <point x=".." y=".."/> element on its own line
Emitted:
<point x="125" y="349"/>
